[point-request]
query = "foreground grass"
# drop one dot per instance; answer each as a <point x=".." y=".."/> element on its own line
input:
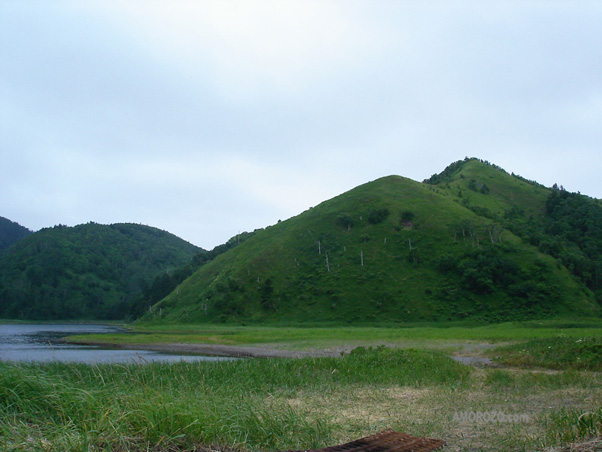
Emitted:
<point x="242" y="403"/>
<point x="281" y="404"/>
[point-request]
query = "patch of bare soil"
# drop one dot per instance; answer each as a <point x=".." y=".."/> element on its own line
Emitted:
<point x="468" y="353"/>
<point x="259" y="351"/>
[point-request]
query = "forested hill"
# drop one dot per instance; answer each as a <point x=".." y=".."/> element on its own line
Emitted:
<point x="473" y="242"/>
<point x="11" y="232"/>
<point x="89" y="271"/>
<point x="561" y="224"/>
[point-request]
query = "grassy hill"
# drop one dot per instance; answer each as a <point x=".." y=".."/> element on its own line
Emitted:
<point x="479" y="185"/>
<point x="394" y="250"/>
<point x="564" y="225"/>
<point x="89" y="271"/>
<point x="11" y="232"/>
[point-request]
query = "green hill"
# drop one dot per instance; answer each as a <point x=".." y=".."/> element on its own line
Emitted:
<point x="89" y="271"/>
<point x="489" y="190"/>
<point x="395" y="250"/>
<point x="11" y="232"/>
<point x="567" y="226"/>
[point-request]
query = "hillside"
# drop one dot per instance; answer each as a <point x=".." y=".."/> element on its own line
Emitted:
<point x="394" y="250"/>
<point x="567" y="226"/>
<point x="89" y="271"/>
<point x="11" y="232"/>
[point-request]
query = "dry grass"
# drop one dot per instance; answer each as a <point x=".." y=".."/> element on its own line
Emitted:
<point x="263" y="404"/>
<point x="592" y="445"/>
<point x="435" y="411"/>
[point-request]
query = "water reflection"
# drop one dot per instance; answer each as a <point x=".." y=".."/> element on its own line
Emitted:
<point x="38" y="342"/>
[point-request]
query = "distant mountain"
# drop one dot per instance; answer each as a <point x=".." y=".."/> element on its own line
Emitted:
<point x="472" y="242"/>
<point x="11" y="232"/>
<point x="89" y="271"/>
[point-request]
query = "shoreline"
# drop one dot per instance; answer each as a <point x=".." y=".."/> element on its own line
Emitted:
<point x="260" y="351"/>
<point x="230" y="351"/>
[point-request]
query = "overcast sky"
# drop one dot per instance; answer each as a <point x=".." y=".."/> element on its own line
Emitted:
<point x="207" y="118"/>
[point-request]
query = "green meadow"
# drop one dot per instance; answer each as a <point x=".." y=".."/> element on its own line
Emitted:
<point x="295" y="336"/>
<point x="398" y="378"/>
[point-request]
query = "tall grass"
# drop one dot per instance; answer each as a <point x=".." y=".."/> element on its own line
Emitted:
<point x="570" y="424"/>
<point x="242" y="404"/>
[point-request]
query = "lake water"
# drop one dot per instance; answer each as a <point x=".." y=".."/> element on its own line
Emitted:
<point x="38" y="342"/>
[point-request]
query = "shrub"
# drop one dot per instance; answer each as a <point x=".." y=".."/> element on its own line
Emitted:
<point x="345" y="221"/>
<point x="378" y="216"/>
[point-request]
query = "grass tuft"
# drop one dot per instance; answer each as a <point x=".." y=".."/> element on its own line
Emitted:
<point x="561" y="352"/>
<point x="570" y="425"/>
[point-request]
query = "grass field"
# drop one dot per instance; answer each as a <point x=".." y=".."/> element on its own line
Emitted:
<point x="282" y="404"/>
<point x="562" y="352"/>
<point x="318" y="337"/>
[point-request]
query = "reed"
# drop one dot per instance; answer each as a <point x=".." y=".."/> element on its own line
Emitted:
<point x="242" y="403"/>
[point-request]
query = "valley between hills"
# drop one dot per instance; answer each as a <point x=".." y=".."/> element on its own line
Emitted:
<point x="355" y="310"/>
<point x="472" y="243"/>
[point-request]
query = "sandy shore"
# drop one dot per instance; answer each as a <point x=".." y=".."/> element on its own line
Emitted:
<point x="271" y="351"/>
<point x="261" y="351"/>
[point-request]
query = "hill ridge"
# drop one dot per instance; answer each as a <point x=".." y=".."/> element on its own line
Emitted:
<point x="470" y="243"/>
<point x="87" y="271"/>
<point x="10" y="233"/>
<point x="389" y="250"/>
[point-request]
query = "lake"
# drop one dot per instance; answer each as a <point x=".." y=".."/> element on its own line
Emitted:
<point x="38" y="342"/>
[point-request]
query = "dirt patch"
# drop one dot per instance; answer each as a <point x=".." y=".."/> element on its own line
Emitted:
<point x="263" y="351"/>
<point x="467" y="353"/>
<point x="478" y="361"/>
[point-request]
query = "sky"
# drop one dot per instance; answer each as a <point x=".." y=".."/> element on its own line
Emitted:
<point x="208" y="118"/>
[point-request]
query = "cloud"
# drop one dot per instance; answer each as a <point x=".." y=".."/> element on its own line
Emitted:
<point x="246" y="49"/>
<point x="207" y="118"/>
